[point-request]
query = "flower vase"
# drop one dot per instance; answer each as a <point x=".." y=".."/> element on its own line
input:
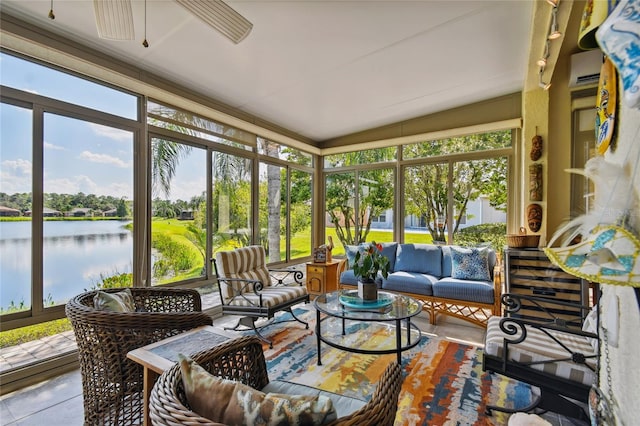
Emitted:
<point x="367" y="290"/>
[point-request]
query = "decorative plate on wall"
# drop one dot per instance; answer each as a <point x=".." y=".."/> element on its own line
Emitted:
<point x="606" y="106"/>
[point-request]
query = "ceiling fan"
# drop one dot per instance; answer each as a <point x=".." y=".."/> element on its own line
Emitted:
<point x="114" y="18"/>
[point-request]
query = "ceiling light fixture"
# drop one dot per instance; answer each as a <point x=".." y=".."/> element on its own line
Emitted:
<point x="51" y="15"/>
<point x="114" y="19"/>
<point x="219" y="16"/>
<point x="541" y="83"/>
<point x="553" y="31"/>
<point x="145" y="43"/>
<point x="542" y="62"/>
<point x="552" y="34"/>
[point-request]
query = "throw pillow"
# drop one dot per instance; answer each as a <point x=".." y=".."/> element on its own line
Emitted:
<point x="234" y="403"/>
<point x="470" y="264"/>
<point x="351" y="251"/>
<point x="121" y="301"/>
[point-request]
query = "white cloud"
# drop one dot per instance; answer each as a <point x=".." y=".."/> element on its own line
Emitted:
<point x="112" y="133"/>
<point x="19" y="166"/>
<point x="86" y="185"/>
<point x="103" y="159"/>
<point x="71" y="185"/>
<point x="51" y="146"/>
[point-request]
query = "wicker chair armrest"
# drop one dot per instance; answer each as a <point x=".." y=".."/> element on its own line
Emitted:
<point x="381" y="409"/>
<point x="240" y="359"/>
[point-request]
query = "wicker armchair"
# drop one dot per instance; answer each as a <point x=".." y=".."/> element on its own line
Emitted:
<point x="242" y="359"/>
<point x="112" y="385"/>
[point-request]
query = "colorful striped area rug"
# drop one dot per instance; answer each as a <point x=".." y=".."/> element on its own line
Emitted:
<point x="444" y="383"/>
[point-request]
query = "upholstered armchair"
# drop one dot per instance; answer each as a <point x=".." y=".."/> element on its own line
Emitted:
<point x="547" y="352"/>
<point x="243" y="360"/>
<point x="248" y="288"/>
<point x="112" y="385"/>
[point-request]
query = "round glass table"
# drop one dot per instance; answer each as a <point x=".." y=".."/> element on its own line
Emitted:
<point x="345" y="307"/>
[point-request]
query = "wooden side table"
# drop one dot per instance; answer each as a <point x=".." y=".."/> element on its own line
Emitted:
<point x="322" y="277"/>
<point x="160" y="356"/>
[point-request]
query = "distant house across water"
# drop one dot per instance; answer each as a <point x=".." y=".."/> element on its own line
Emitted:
<point x="46" y="212"/>
<point x="9" y="212"/>
<point x="81" y="212"/>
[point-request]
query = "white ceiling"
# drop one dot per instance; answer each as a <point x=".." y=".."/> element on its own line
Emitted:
<point x="322" y="68"/>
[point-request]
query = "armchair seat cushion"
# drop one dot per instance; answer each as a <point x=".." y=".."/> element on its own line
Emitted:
<point x="343" y="405"/>
<point x="271" y="296"/>
<point x="538" y="347"/>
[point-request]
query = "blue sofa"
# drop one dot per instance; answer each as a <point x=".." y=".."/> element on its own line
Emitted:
<point x="450" y="280"/>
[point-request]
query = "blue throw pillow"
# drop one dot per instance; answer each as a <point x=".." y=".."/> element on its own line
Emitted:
<point x="351" y="255"/>
<point x="470" y="264"/>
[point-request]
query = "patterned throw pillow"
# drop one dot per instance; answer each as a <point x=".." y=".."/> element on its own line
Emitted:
<point x="470" y="264"/>
<point x="121" y="301"/>
<point x="233" y="403"/>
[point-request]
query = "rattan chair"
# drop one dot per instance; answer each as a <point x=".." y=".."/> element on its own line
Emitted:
<point x="242" y="359"/>
<point x="112" y="385"/>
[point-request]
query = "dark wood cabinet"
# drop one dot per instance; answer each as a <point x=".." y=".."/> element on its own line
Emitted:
<point x="530" y="272"/>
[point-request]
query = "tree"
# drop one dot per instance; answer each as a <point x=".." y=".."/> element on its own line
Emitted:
<point x="427" y="186"/>
<point x="121" y="210"/>
<point x="165" y="157"/>
<point x="351" y="216"/>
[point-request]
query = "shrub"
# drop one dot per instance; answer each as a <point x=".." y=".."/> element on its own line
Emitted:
<point x="490" y="234"/>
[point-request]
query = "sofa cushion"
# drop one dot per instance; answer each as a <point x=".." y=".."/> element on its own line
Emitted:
<point x="472" y="291"/>
<point x="388" y="250"/>
<point x="422" y="258"/>
<point x="232" y="402"/>
<point x="349" y="278"/>
<point x="410" y="282"/>
<point x="470" y="263"/>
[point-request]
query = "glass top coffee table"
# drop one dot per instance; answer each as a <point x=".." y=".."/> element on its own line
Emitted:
<point x="347" y="309"/>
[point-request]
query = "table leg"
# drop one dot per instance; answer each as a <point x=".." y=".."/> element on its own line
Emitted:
<point x="318" y="335"/>
<point x="399" y="340"/>
<point x="150" y="378"/>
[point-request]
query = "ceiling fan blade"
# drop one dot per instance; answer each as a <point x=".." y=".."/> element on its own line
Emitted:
<point x="220" y="16"/>
<point x="114" y="19"/>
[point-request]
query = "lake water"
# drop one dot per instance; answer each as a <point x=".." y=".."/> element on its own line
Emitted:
<point x="76" y="255"/>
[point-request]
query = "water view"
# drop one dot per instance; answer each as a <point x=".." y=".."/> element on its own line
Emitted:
<point x="77" y="254"/>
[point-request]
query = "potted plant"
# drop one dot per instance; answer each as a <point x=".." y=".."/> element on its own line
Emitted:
<point x="367" y="263"/>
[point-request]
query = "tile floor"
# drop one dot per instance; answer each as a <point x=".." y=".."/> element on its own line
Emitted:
<point x="58" y="401"/>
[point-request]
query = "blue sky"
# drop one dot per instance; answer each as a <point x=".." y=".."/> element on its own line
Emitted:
<point x="79" y="156"/>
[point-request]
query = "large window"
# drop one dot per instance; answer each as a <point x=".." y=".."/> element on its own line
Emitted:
<point x="178" y="225"/>
<point x="448" y="187"/>
<point x="67" y="189"/>
<point x="16" y="181"/>
<point x="353" y="200"/>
